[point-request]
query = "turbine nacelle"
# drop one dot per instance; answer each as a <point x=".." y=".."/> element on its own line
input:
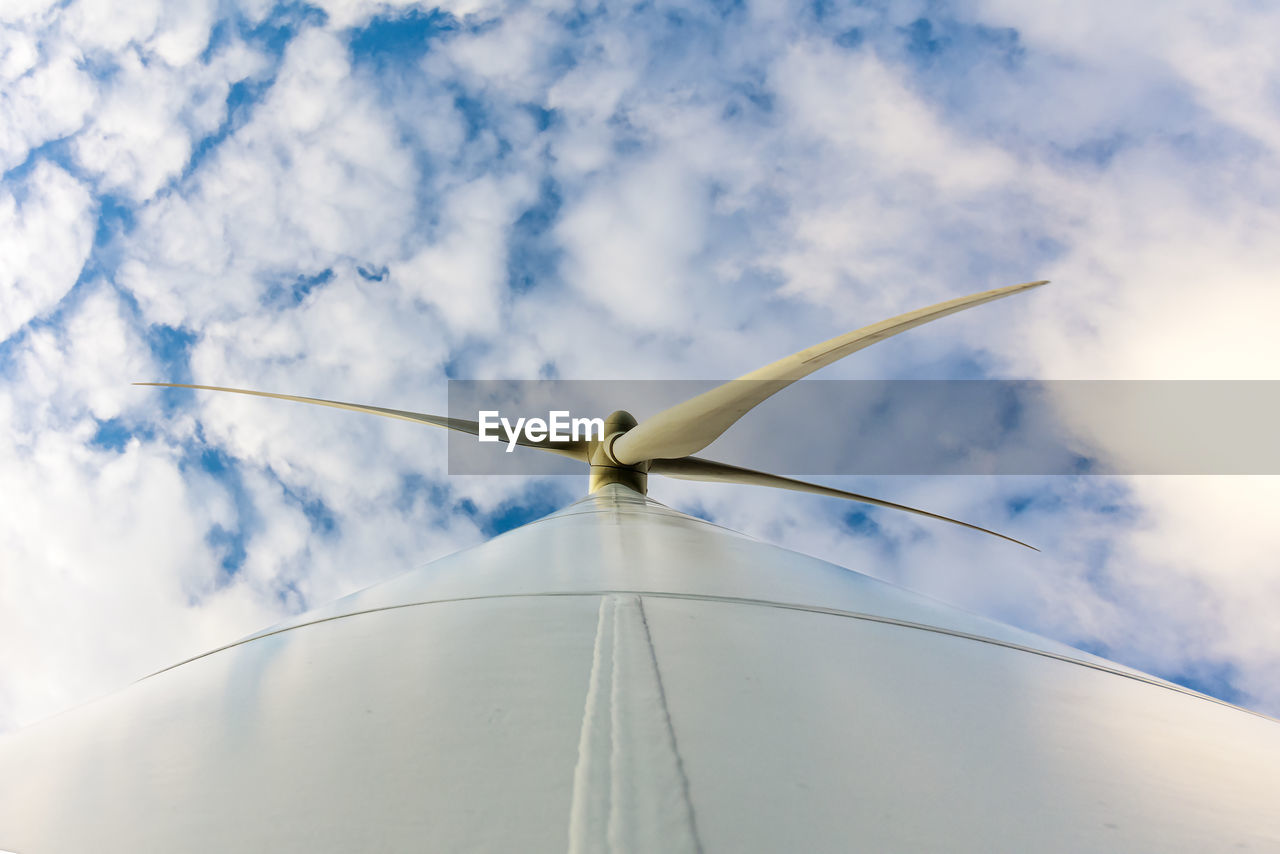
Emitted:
<point x="665" y="443"/>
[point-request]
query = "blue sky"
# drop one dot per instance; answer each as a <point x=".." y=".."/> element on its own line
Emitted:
<point x="360" y="200"/>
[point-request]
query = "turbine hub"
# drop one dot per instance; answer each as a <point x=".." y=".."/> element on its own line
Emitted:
<point x="605" y="468"/>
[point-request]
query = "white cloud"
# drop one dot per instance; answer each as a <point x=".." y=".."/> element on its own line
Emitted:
<point x="1172" y="284"/>
<point x="109" y="27"/>
<point x="464" y="272"/>
<point x="45" y="103"/>
<point x="174" y="32"/>
<point x="510" y="56"/>
<point x="184" y="31"/>
<point x="897" y="182"/>
<point x="314" y="177"/>
<point x="46" y="230"/>
<point x="1221" y="52"/>
<point x="863" y="113"/>
<point x="631" y="238"/>
<point x="130" y="144"/>
<point x="26" y="11"/>
<point x="149" y="116"/>
<point x="18" y="53"/>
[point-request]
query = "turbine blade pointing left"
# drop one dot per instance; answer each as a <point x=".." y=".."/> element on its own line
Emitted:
<point x="694" y="468"/>
<point x="576" y="450"/>
<point x="688" y="427"/>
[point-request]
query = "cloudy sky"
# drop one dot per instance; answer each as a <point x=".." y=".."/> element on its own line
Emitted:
<point x="359" y="200"/>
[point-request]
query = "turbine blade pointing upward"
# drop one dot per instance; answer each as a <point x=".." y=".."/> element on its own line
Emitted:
<point x="576" y="450"/>
<point x="694" y="468"/>
<point x="688" y="427"/>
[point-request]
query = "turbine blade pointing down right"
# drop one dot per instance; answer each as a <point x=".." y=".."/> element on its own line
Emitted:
<point x="694" y="468"/>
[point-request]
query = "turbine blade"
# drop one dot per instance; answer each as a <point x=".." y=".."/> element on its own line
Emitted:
<point x="576" y="450"/>
<point x="688" y="427"/>
<point x="694" y="468"/>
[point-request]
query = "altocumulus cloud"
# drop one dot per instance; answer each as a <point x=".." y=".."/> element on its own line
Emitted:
<point x="360" y="200"/>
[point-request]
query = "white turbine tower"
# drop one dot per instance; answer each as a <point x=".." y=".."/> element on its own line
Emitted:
<point x="622" y="677"/>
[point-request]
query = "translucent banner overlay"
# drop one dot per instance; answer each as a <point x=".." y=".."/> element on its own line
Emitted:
<point x="913" y="427"/>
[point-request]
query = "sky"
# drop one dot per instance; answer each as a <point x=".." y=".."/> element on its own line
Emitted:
<point x="362" y="200"/>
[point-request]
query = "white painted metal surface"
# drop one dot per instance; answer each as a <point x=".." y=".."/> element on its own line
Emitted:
<point x="620" y="677"/>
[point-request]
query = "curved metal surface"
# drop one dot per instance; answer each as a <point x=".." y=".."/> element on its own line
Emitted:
<point x="622" y="677"/>
<point x="616" y="540"/>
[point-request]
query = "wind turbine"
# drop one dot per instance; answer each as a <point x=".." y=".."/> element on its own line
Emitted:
<point x="622" y="677"/>
<point x="629" y="452"/>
